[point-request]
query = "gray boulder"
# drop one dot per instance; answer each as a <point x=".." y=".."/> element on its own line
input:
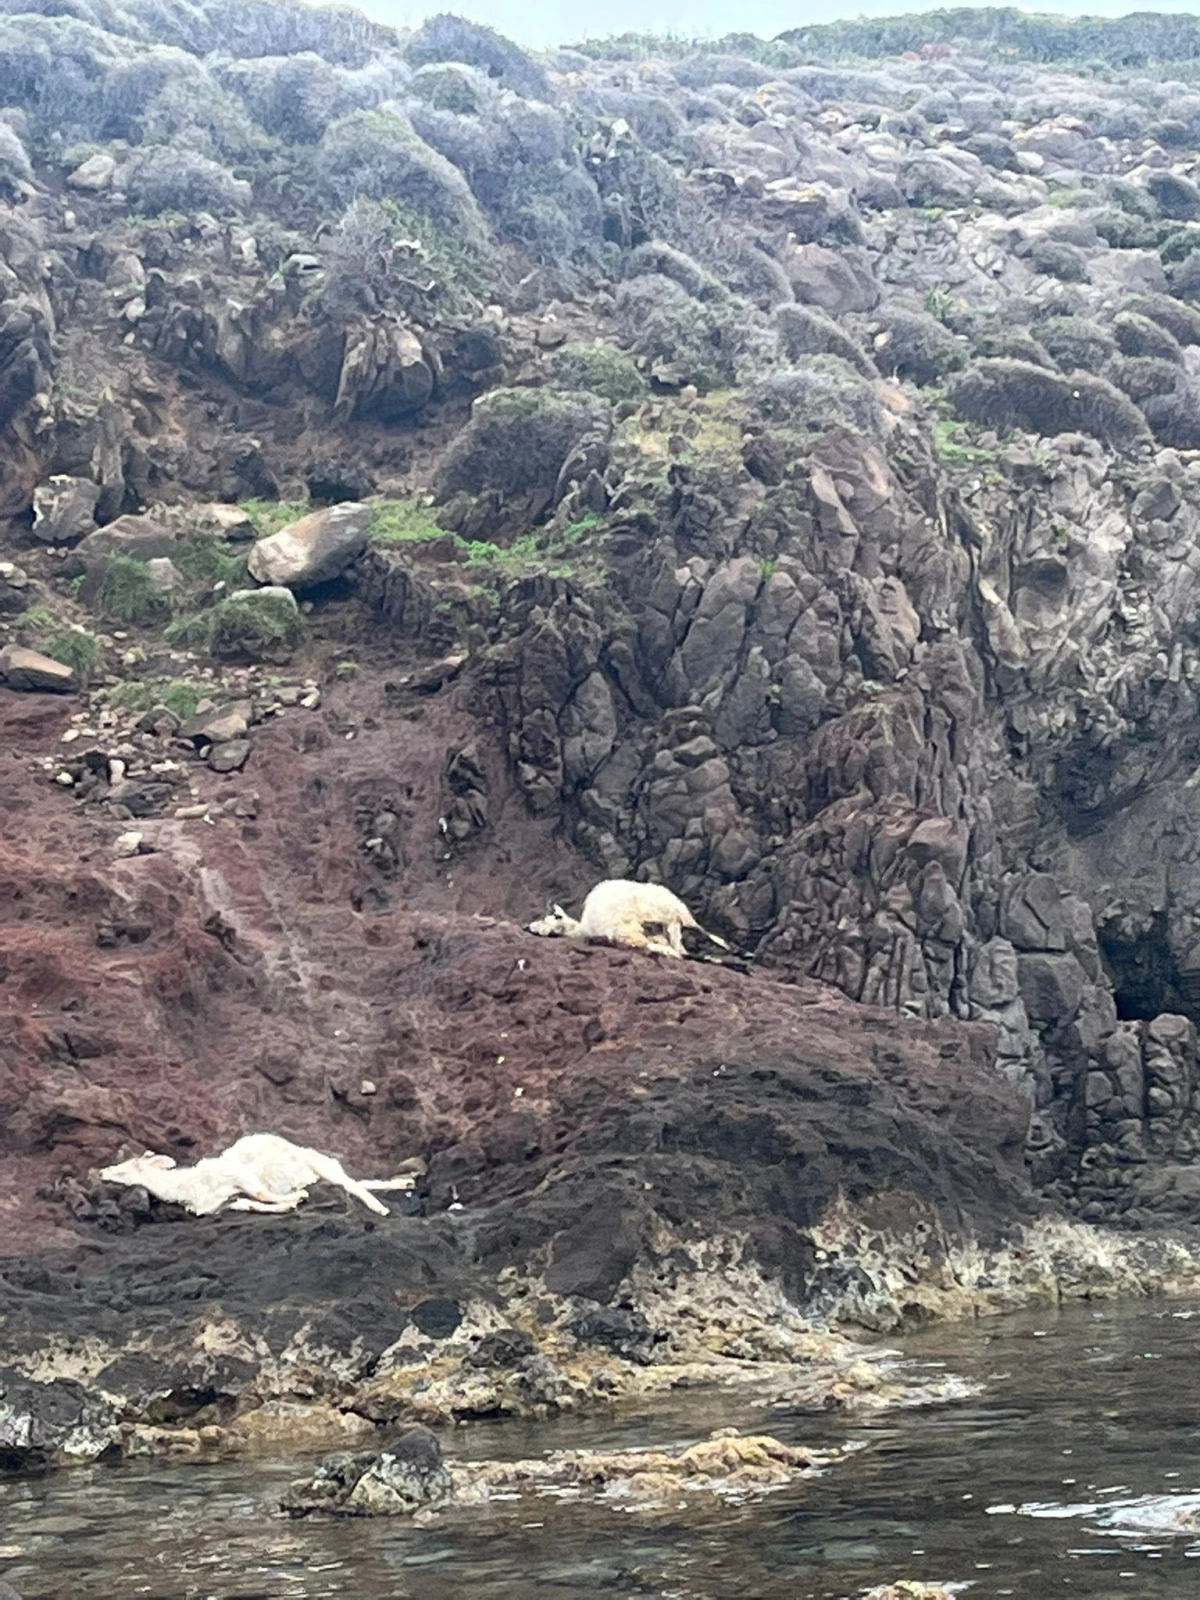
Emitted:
<point x="30" y="670"/>
<point x="140" y="538"/>
<point x="317" y="548"/>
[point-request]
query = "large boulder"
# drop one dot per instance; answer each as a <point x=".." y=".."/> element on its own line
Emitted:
<point x="29" y="669"/>
<point x="317" y="548"/>
<point x="139" y="537"/>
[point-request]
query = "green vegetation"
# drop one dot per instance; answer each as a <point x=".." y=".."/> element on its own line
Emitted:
<point x="175" y="695"/>
<point x="208" y="561"/>
<point x="75" y="648"/>
<point x="248" y="625"/>
<point x="601" y="369"/>
<point x="37" y="618"/>
<point x="1007" y="34"/>
<point x="128" y="593"/>
<point x="405" y="522"/>
<point x="953" y="450"/>
<point x="269" y="516"/>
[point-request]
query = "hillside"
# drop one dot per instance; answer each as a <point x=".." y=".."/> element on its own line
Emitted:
<point x="771" y="469"/>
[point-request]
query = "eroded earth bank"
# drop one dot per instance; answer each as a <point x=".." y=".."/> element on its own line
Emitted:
<point x="772" y="477"/>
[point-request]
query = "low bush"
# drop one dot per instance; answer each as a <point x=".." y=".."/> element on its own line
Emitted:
<point x="15" y="167"/>
<point x="1174" y="417"/>
<point x="1142" y="376"/>
<point x="654" y="257"/>
<point x="247" y="626"/>
<point x="1058" y="260"/>
<point x="1138" y="336"/>
<point x="919" y="348"/>
<point x="162" y="179"/>
<point x="517" y="440"/>
<point x="75" y="648"/>
<point x="1015" y="394"/>
<point x="808" y="331"/>
<point x="1177" y="197"/>
<point x="1124" y="231"/>
<point x="600" y="369"/>
<point x="377" y="155"/>
<point x="1180" y="320"/>
<point x="452" y="38"/>
<point x="1075" y="344"/>
<point x="1017" y="344"/>
<point x="127" y="593"/>
<point x="293" y="97"/>
<point x="820" y="393"/>
<point x="684" y="340"/>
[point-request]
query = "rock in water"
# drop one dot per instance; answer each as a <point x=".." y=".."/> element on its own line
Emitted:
<point x="29" y="669"/>
<point x="397" y="1481"/>
<point x="317" y="548"/>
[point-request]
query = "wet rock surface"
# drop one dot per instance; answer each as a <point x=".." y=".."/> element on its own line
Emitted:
<point x="410" y="1477"/>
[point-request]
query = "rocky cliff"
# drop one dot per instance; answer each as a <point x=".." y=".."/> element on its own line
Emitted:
<point x="436" y="477"/>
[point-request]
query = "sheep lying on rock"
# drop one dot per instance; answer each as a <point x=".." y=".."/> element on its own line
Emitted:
<point x="640" y="916"/>
<point x="260" y="1172"/>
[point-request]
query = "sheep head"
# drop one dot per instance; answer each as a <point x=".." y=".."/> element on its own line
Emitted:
<point x="135" y="1170"/>
<point x="554" y="924"/>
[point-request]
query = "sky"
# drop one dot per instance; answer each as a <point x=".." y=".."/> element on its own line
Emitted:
<point x="541" y="23"/>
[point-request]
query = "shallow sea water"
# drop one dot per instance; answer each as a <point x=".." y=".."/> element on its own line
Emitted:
<point x="1076" y="1472"/>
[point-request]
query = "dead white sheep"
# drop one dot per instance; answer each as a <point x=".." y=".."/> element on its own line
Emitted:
<point x="640" y="916"/>
<point x="260" y="1172"/>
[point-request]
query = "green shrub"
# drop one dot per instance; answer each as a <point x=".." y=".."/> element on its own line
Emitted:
<point x="1017" y="344"/>
<point x="452" y="38"/>
<point x="684" y="340"/>
<point x="1174" y="417"/>
<point x="1180" y="320"/>
<point x="1138" y="336"/>
<point x="269" y="516"/>
<point x="1057" y="260"/>
<point x="919" y="348"/>
<point x="1178" y="197"/>
<point x="75" y="648"/>
<point x="248" y="625"/>
<point x="667" y="262"/>
<point x="128" y="593"/>
<point x="1075" y="344"/>
<point x="404" y="522"/>
<point x="600" y="369"/>
<point x="1123" y="231"/>
<point x="209" y="561"/>
<point x="808" y="331"/>
<point x="820" y="393"/>
<point x="377" y="155"/>
<point x="1015" y="394"/>
<point x="517" y="440"/>
<point x="161" y="180"/>
<point x="1179" y="246"/>
<point x="144" y="694"/>
<point x="1142" y="376"/>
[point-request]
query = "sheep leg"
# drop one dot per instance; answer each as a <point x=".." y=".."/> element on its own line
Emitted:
<point x="408" y="1183"/>
<point x="333" y="1172"/>
<point x="274" y="1204"/>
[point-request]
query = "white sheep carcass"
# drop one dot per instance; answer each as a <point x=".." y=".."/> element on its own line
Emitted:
<point x="640" y="916"/>
<point x="260" y="1172"/>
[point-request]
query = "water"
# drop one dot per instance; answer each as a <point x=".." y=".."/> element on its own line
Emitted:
<point x="1089" y="1422"/>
